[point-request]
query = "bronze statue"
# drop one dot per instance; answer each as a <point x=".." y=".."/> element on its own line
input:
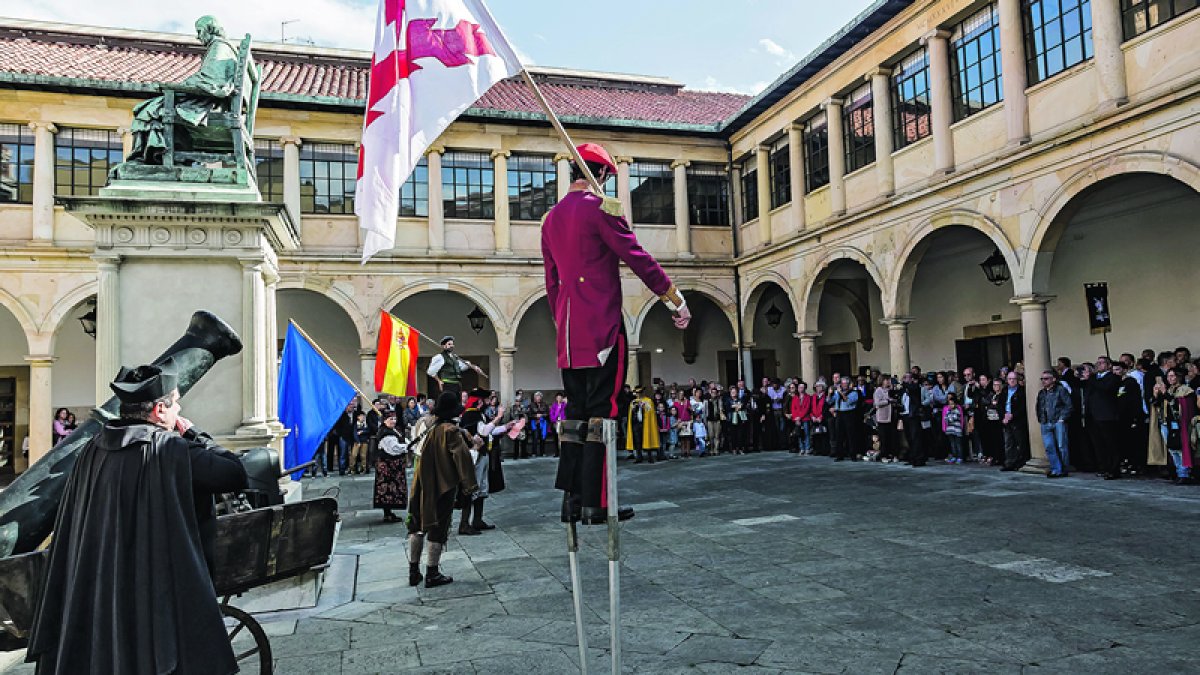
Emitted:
<point x="208" y="91"/>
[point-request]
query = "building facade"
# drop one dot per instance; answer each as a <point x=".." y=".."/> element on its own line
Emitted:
<point x="836" y="221"/>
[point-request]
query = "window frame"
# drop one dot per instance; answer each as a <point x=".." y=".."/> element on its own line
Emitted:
<point x="1042" y="60"/>
<point x="708" y="207"/>
<point x="99" y="145"/>
<point x="414" y="193"/>
<point x="909" y="82"/>
<point x="969" y="64"/>
<point x="345" y="157"/>
<point x="540" y="198"/>
<point x="19" y="163"/>
<point x="857" y="113"/>
<point x="268" y="156"/>
<point x="816" y="152"/>
<point x="475" y="169"/>
<point x="780" y="165"/>
<point x="749" y="189"/>
<point x="661" y="198"/>
<point x="1130" y="9"/>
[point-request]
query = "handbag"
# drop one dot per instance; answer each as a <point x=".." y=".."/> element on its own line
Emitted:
<point x="1174" y="437"/>
<point x="993" y="415"/>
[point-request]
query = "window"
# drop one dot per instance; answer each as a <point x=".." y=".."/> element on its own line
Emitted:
<point x="859" y="122"/>
<point x="468" y="185"/>
<point x="652" y="189"/>
<point x="268" y="169"/>
<point x="328" y="172"/>
<point x="1058" y="35"/>
<point x="414" y="194"/>
<point x="976" y="81"/>
<point x="816" y="153"/>
<point x="781" y="173"/>
<point x="708" y="194"/>
<point x="910" y="99"/>
<point x="749" y="190"/>
<point x="16" y="163"/>
<point x="1139" y="16"/>
<point x="82" y="158"/>
<point x="532" y="186"/>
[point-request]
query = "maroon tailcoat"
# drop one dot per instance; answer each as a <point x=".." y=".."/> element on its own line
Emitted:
<point x="582" y="246"/>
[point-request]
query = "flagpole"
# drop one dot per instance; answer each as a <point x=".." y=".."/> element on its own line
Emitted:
<point x="366" y="399"/>
<point x="562" y="132"/>
<point x="439" y="346"/>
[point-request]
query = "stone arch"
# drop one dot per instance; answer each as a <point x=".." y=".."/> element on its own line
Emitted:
<point x="1056" y="212"/>
<point x="362" y="325"/>
<point x="815" y="284"/>
<point x="909" y="258"/>
<point x="61" y="310"/>
<point x="540" y="293"/>
<point x="500" y="323"/>
<point x="714" y="293"/>
<point x="10" y="302"/>
<point x="757" y="287"/>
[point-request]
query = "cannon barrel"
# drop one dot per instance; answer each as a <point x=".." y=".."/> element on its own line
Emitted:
<point x="28" y="506"/>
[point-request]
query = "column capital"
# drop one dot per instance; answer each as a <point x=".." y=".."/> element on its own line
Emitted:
<point x="623" y="159"/>
<point x="681" y="162"/>
<point x="435" y="149"/>
<point x="798" y="127"/>
<point x="106" y="259"/>
<point x="832" y="103"/>
<point x="291" y="140"/>
<point x="48" y="126"/>
<point x="935" y="34"/>
<point x="564" y="156"/>
<point x="807" y="335"/>
<point x="633" y="348"/>
<point x="124" y="131"/>
<point x="762" y="147"/>
<point x="501" y="153"/>
<point x="1032" y="301"/>
<point x="40" y="360"/>
<point x="894" y="321"/>
<point x="251" y="263"/>
<point x="877" y="72"/>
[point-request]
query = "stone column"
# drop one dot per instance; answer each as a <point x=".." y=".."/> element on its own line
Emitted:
<point x="735" y="175"/>
<point x="763" y="164"/>
<point x="1037" y="358"/>
<point x="837" y="155"/>
<point x="1012" y="64"/>
<point x="503" y="218"/>
<point x="937" y="43"/>
<point x="108" y="323"/>
<point x="437" y="217"/>
<point x="748" y="365"/>
<point x="1110" y="59"/>
<point x="43" y="182"/>
<point x="632" y="376"/>
<point x="796" y="160"/>
<point x="808" y="356"/>
<point x="623" y="191"/>
<point x="898" y="343"/>
<point x="291" y="178"/>
<point x="126" y="146"/>
<point x="508" y="388"/>
<point x="271" y="278"/>
<point x="254" y="351"/>
<point x="683" y="232"/>
<point x="562" y="164"/>
<point x="366" y="370"/>
<point x="41" y="408"/>
<point x="881" y="109"/>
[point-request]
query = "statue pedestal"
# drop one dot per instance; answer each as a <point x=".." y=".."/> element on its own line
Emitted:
<point x="170" y="249"/>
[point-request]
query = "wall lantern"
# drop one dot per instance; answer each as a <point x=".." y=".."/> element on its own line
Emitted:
<point x="774" y="316"/>
<point x="995" y="268"/>
<point x="477" y="319"/>
<point x="88" y="321"/>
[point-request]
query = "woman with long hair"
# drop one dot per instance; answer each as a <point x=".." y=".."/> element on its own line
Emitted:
<point x="1171" y="419"/>
<point x="391" y="485"/>
<point x="60" y="424"/>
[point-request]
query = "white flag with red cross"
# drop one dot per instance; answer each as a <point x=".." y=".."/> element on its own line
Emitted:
<point x="432" y="60"/>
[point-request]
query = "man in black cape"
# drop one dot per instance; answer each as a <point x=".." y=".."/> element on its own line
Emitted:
<point x="128" y="586"/>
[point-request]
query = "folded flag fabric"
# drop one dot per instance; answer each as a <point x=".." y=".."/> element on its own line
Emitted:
<point x="311" y="396"/>
<point x="396" y="357"/>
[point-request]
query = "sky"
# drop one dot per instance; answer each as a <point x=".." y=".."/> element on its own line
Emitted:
<point x="739" y="46"/>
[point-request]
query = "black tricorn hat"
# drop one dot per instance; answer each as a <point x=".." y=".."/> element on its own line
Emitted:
<point x="449" y="406"/>
<point x="146" y="383"/>
<point x="480" y="392"/>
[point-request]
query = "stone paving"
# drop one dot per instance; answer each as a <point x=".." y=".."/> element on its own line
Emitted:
<point x="774" y="563"/>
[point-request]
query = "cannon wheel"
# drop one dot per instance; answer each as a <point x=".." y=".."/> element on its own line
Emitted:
<point x="260" y="652"/>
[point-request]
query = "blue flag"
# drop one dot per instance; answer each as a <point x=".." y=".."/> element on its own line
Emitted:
<point x="311" y="396"/>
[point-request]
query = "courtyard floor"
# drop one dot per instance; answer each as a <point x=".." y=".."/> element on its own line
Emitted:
<point x="772" y="563"/>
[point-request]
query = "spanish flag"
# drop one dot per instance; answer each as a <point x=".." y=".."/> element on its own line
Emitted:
<point x="396" y="358"/>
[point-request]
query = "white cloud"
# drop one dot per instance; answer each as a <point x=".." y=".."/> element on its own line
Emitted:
<point x="775" y="49"/>
<point x="712" y="84"/>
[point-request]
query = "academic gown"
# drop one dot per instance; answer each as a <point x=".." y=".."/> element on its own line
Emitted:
<point x="128" y="587"/>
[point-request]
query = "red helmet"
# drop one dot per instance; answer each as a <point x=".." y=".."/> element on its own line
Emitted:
<point x="594" y="152"/>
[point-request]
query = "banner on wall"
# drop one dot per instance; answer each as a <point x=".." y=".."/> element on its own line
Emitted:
<point x="1099" y="316"/>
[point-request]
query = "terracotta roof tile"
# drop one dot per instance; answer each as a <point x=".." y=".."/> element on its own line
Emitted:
<point x="86" y="58"/>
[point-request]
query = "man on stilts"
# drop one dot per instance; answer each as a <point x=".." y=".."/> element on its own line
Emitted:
<point x="584" y="239"/>
<point x="447" y="367"/>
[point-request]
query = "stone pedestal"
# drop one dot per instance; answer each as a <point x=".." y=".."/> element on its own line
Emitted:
<point x="200" y="247"/>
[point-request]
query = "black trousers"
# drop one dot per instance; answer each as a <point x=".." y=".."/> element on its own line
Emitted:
<point x="591" y="392"/>
<point x="1105" y="434"/>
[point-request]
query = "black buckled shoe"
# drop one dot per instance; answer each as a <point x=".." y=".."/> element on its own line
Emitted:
<point x="598" y="515"/>
<point x="414" y="574"/>
<point x="434" y="578"/>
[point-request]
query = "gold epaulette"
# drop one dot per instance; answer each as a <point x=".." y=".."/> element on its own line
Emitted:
<point x="544" y="217"/>
<point x="613" y="207"/>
